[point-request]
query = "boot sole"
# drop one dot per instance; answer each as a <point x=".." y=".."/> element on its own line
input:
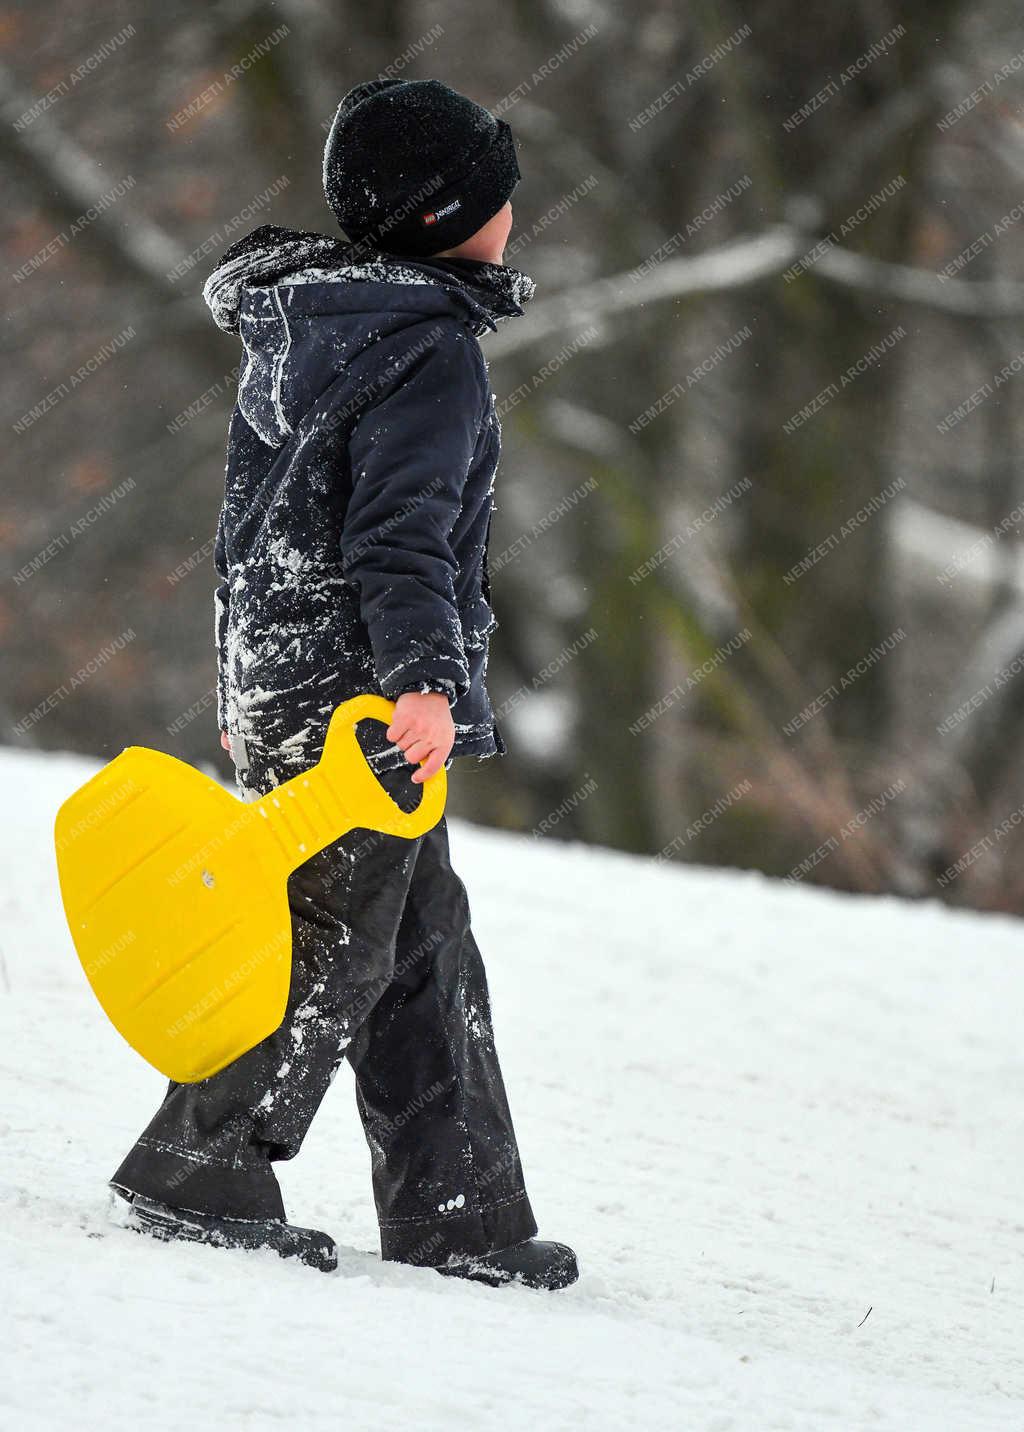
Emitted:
<point x="179" y="1225"/>
<point x="560" y="1274"/>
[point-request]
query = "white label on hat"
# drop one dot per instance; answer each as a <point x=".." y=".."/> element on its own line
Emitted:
<point x="436" y="214"/>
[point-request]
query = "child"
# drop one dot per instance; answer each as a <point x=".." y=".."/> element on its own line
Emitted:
<point x="352" y="556"/>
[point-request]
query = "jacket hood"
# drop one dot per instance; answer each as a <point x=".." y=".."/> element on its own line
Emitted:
<point x="486" y="293"/>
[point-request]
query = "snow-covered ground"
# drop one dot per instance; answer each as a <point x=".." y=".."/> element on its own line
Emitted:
<point x="757" y="1111"/>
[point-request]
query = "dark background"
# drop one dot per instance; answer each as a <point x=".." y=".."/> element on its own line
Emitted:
<point x="729" y="633"/>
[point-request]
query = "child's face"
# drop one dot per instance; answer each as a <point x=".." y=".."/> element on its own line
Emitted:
<point x="488" y="243"/>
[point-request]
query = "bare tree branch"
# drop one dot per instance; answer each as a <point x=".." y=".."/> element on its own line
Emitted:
<point x="76" y="182"/>
<point x="743" y="262"/>
<point x="732" y="266"/>
<point x="996" y="299"/>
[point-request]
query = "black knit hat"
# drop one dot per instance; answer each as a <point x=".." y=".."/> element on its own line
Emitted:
<point x="414" y="167"/>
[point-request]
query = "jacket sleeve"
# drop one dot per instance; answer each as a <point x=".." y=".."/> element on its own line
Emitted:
<point x="411" y="449"/>
<point x="220" y="621"/>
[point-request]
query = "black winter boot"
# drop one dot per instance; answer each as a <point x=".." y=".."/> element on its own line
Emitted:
<point x="159" y="1220"/>
<point x="535" y="1264"/>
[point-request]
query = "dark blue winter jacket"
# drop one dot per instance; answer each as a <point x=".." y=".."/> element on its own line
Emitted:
<point x="352" y="544"/>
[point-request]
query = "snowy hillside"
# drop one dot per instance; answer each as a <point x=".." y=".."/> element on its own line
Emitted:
<point x="756" y="1111"/>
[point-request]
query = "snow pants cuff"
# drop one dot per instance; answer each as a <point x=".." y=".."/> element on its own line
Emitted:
<point x="247" y="1189"/>
<point x="468" y="1232"/>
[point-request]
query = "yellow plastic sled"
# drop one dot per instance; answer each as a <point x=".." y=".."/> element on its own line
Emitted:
<point x="176" y="892"/>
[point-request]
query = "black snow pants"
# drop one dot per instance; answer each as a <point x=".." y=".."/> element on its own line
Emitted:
<point x="387" y="974"/>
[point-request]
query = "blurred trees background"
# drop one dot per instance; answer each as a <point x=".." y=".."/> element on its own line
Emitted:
<point x="757" y="559"/>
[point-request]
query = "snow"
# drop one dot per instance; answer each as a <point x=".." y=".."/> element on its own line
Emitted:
<point x="756" y="1110"/>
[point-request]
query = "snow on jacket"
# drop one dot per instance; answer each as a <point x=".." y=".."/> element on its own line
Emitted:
<point x="351" y="549"/>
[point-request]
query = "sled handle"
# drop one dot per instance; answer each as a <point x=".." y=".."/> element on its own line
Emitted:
<point x="377" y="809"/>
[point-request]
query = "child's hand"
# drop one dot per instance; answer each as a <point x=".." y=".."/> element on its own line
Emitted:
<point x="422" y="725"/>
<point x="225" y="740"/>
